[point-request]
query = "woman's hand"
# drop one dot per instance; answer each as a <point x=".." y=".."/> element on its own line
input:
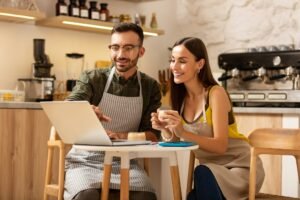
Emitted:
<point x="172" y="120"/>
<point x="100" y="114"/>
<point x="156" y="124"/>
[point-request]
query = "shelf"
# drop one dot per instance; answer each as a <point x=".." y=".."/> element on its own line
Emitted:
<point x="19" y="15"/>
<point x="80" y="24"/>
<point x="139" y="1"/>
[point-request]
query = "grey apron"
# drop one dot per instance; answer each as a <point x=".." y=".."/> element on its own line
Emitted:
<point x="84" y="169"/>
<point x="231" y="169"/>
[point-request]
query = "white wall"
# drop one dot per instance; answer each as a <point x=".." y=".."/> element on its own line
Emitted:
<point x="16" y="44"/>
<point x="224" y="25"/>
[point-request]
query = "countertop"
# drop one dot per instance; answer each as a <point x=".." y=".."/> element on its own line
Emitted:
<point x="271" y="110"/>
<point x="267" y="110"/>
<point x="20" y="105"/>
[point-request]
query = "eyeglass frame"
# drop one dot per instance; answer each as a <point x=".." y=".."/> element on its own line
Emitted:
<point x="126" y="48"/>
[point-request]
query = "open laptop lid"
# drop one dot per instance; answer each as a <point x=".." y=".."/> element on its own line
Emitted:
<point x="77" y="123"/>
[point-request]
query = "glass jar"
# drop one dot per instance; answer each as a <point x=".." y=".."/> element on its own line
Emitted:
<point x="73" y="8"/>
<point x="61" y="8"/>
<point x="93" y="11"/>
<point x="104" y="12"/>
<point x="83" y="10"/>
<point x="153" y="23"/>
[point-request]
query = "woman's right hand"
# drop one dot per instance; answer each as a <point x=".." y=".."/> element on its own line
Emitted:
<point x="156" y="124"/>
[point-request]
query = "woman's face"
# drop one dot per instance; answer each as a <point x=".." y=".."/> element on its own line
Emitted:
<point x="183" y="65"/>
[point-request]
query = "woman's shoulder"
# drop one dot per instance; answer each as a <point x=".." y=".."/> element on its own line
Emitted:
<point x="216" y="90"/>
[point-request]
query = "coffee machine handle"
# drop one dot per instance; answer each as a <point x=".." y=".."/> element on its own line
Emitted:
<point x="277" y="76"/>
<point x="224" y="77"/>
<point x="249" y="78"/>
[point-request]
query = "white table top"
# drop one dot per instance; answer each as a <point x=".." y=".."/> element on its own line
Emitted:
<point x="136" y="148"/>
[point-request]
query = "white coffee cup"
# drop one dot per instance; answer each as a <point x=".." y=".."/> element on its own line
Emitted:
<point x="161" y="111"/>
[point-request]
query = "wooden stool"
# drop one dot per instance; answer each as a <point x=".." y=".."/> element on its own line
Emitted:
<point x="272" y="141"/>
<point x="53" y="189"/>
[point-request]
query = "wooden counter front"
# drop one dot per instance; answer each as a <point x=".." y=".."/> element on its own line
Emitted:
<point x="24" y="134"/>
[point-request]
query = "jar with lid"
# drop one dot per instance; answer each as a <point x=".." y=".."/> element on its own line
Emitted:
<point x="61" y="8"/>
<point x="83" y="10"/>
<point x="104" y="12"/>
<point x="153" y="23"/>
<point x="125" y="18"/>
<point x="93" y="11"/>
<point x="73" y="8"/>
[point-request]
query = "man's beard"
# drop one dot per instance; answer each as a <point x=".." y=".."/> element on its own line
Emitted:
<point x="124" y="68"/>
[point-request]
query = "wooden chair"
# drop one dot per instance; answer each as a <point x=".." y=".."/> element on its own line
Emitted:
<point x="264" y="141"/>
<point x="275" y="142"/>
<point x="57" y="189"/>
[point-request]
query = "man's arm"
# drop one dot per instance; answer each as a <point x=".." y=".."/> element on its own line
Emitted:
<point x="152" y="98"/>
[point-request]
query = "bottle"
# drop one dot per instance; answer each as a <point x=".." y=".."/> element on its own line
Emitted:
<point x="83" y="10"/>
<point x="73" y="8"/>
<point x="104" y="12"/>
<point x="137" y="19"/>
<point x="93" y="11"/>
<point x="61" y="8"/>
<point x="153" y="23"/>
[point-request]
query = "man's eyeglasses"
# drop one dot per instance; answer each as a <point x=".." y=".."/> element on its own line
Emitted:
<point x="126" y="48"/>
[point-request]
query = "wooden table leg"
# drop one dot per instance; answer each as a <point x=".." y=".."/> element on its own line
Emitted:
<point x="106" y="176"/>
<point x="175" y="182"/>
<point x="125" y="162"/>
<point x="124" y="184"/>
<point x="105" y="182"/>
<point x="190" y="173"/>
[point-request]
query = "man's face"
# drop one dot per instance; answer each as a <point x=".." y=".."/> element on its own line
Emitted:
<point x="125" y="50"/>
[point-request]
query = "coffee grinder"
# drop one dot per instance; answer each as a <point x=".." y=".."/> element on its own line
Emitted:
<point x="75" y="63"/>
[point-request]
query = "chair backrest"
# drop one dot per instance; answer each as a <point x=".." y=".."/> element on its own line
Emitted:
<point x="273" y="141"/>
<point x="275" y="138"/>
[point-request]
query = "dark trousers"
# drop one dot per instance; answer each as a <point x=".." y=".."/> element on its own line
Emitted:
<point x="94" y="194"/>
<point x="205" y="185"/>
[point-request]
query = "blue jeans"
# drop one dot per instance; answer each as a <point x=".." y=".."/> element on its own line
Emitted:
<point x="205" y="185"/>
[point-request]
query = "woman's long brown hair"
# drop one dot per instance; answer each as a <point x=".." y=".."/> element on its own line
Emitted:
<point x="198" y="49"/>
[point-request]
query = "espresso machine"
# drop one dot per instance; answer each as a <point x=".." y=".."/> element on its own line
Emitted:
<point x="41" y="86"/>
<point x="262" y="78"/>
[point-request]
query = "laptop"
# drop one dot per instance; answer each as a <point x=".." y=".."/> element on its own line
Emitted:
<point x="77" y="123"/>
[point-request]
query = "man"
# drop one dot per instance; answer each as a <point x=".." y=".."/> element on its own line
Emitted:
<point x="124" y="98"/>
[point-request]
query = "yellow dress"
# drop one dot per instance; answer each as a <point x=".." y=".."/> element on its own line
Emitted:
<point x="232" y="168"/>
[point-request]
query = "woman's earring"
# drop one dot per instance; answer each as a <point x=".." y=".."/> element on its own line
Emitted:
<point x="199" y="71"/>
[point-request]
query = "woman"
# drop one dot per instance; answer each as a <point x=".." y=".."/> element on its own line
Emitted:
<point x="202" y="113"/>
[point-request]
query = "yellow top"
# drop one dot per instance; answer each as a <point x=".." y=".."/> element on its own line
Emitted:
<point x="232" y="126"/>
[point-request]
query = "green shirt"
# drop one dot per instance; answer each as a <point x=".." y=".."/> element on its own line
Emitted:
<point x="90" y="87"/>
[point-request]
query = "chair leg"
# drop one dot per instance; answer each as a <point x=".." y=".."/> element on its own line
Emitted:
<point x="252" y="176"/>
<point x="61" y="172"/>
<point x="298" y="166"/>
<point x="48" y="171"/>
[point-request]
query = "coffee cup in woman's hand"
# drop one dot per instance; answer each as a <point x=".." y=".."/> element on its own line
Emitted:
<point x="162" y="112"/>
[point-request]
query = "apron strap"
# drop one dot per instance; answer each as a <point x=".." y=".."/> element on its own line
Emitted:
<point x="110" y="77"/>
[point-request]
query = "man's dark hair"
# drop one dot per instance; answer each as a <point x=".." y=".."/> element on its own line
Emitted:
<point x="125" y="27"/>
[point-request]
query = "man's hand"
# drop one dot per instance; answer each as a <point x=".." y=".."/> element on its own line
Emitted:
<point x="100" y="115"/>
